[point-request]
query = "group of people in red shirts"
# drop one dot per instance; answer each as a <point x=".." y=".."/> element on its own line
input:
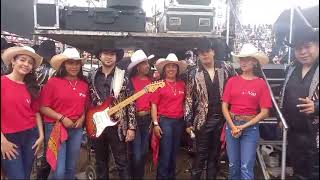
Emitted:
<point x="210" y="100"/>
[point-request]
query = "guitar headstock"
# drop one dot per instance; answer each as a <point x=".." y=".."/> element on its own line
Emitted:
<point x="154" y="86"/>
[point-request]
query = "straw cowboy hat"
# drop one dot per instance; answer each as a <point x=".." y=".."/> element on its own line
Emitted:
<point x="138" y="57"/>
<point x="69" y="53"/>
<point x="11" y="52"/>
<point x="248" y="50"/>
<point x="171" y="58"/>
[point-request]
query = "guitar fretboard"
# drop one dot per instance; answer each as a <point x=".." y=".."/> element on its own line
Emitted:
<point x="125" y="102"/>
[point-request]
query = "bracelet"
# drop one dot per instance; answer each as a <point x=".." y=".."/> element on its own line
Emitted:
<point x="62" y="118"/>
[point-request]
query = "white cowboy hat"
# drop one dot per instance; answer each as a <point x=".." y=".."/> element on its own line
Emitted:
<point x="138" y="57"/>
<point x="69" y="53"/>
<point x="11" y="52"/>
<point x="171" y="58"/>
<point x="248" y="50"/>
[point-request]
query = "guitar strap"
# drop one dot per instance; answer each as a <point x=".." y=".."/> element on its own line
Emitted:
<point x="117" y="81"/>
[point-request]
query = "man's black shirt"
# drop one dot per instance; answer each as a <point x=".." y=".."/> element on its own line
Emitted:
<point x="297" y="87"/>
<point x="103" y="84"/>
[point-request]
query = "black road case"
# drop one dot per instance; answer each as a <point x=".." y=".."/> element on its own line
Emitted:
<point x="182" y="19"/>
<point x="103" y="19"/>
<point x="125" y="3"/>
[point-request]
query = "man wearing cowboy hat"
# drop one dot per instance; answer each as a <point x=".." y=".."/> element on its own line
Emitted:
<point x="109" y="80"/>
<point x="47" y="49"/>
<point x="300" y="104"/>
<point x="139" y="70"/>
<point x="4" y="45"/>
<point x="203" y="112"/>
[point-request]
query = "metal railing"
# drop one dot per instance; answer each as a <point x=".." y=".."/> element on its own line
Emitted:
<point x="284" y="132"/>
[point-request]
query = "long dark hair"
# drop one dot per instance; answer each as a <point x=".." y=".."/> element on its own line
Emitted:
<point x="62" y="72"/>
<point x="134" y="72"/>
<point x="257" y="70"/>
<point x="30" y="80"/>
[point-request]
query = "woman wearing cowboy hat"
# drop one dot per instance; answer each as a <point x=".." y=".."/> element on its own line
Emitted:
<point x="21" y="125"/>
<point x="250" y="101"/>
<point x="139" y="69"/>
<point x="167" y="113"/>
<point x="64" y="99"/>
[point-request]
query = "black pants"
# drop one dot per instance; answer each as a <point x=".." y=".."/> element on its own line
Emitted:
<point x="208" y="148"/>
<point x="110" y="138"/>
<point x="303" y="155"/>
<point x="44" y="168"/>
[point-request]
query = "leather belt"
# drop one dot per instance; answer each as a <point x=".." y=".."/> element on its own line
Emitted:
<point x="143" y="113"/>
<point x="242" y="117"/>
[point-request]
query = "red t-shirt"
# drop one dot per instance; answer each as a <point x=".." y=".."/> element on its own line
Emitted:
<point x="18" y="113"/>
<point x="246" y="97"/>
<point x="170" y="99"/>
<point x="59" y="95"/>
<point x="143" y="102"/>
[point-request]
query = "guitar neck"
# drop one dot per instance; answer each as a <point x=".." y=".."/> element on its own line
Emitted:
<point x="126" y="102"/>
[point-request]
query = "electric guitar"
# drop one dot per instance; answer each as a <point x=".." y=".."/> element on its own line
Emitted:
<point x="98" y="118"/>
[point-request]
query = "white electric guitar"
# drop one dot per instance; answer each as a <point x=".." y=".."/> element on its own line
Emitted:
<point x="98" y="118"/>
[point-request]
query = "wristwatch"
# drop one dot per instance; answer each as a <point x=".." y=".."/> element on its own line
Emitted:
<point x="155" y="123"/>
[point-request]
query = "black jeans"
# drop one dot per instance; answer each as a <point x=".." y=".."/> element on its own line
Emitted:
<point x="303" y="154"/>
<point x="110" y="137"/>
<point x="208" y="148"/>
<point x="44" y="168"/>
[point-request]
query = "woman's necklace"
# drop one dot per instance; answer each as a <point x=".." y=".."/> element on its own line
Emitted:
<point x="73" y="85"/>
<point x="173" y="89"/>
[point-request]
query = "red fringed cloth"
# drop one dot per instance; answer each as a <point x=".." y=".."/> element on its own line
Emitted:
<point x="58" y="135"/>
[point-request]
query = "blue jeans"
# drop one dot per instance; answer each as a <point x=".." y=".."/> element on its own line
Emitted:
<point x="140" y="146"/>
<point x="68" y="155"/>
<point x="21" y="167"/>
<point x="242" y="151"/>
<point x="169" y="146"/>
